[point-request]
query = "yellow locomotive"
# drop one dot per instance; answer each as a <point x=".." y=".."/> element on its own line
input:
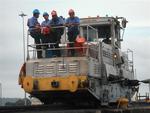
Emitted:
<point x="100" y="72"/>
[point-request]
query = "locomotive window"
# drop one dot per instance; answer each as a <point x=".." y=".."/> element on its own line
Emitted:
<point x="104" y="31"/>
<point x="91" y="33"/>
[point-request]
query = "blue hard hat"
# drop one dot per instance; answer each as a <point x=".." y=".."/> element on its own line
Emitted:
<point x="36" y="11"/>
<point x="45" y="14"/>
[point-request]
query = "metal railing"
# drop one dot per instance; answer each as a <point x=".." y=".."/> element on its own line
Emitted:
<point x="130" y="60"/>
<point x="80" y="50"/>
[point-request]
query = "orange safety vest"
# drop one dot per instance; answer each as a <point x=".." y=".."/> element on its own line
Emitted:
<point x="80" y="40"/>
<point x="79" y="43"/>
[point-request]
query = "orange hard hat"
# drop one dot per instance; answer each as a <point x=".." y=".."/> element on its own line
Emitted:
<point x="80" y="39"/>
<point x="71" y="11"/>
<point x="53" y="13"/>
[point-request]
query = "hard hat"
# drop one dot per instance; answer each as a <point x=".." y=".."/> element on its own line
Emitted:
<point x="45" y="14"/>
<point x="36" y="11"/>
<point x="71" y="11"/>
<point x="53" y="13"/>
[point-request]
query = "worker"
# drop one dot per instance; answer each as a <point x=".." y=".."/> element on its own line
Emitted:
<point x="46" y="22"/>
<point x="45" y="30"/>
<point x="79" y="43"/>
<point x="58" y="31"/>
<point x="72" y="22"/>
<point x="35" y="31"/>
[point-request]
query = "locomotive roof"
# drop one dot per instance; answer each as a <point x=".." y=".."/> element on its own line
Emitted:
<point x="98" y="20"/>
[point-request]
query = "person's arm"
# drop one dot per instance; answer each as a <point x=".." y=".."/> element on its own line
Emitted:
<point x="42" y="24"/>
<point x="72" y="24"/>
<point x="60" y="22"/>
<point x="67" y="22"/>
<point x="76" y="23"/>
<point x="30" y="23"/>
<point x="33" y="25"/>
<point x="51" y="23"/>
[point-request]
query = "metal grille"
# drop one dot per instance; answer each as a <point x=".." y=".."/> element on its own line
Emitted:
<point x="57" y="68"/>
<point x="39" y="69"/>
<point x="50" y="68"/>
<point x="73" y="67"/>
<point x="62" y="68"/>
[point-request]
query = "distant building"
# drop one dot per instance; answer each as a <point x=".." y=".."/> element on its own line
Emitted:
<point x="9" y="100"/>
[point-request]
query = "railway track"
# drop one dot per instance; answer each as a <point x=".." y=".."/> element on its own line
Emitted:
<point x="43" y="108"/>
<point x="69" y="109"/>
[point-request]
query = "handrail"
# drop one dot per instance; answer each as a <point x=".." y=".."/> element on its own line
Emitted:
<point x="61" y="48"/>
<point x="92" y="28"/>
<point x="33" y="46"/>
<point x="88" y="26"/>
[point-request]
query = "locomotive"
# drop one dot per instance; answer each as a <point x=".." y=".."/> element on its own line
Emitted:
<point x="99" y="72"/>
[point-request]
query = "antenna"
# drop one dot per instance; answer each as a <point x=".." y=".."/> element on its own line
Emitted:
<point x="23" y="15"/>
<point x="23" y="36"/>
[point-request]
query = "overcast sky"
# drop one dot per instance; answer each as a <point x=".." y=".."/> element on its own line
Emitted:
<point x="137" y="34"/>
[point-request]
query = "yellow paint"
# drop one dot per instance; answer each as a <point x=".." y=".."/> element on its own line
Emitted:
<point x="73" y="83"/>
<point x="22" y="74"/>
<point x="28" y="83"/>
<point x="21" y="79"/>
<point x="122" y="102"/>
<point x="70" y="83"/>
<point x="147" y="100"/>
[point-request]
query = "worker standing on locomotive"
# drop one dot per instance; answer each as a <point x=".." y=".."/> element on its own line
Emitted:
<point x="46" y="22"/>
<point x="47" y="37"/>
<point x="58" y="31"/>
<point x="72" y="22"/>
<point x="35" y="31"/>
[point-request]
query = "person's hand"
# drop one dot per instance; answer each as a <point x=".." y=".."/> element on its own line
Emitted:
<point x="69" y="25"/>
<point x="38" y="28"/>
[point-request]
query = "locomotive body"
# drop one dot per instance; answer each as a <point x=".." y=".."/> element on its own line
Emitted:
<point x="99" y="72"/>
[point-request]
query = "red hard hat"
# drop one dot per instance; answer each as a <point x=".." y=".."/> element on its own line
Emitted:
<point x="53" y="13"/>
<point x="71" y="11"/>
